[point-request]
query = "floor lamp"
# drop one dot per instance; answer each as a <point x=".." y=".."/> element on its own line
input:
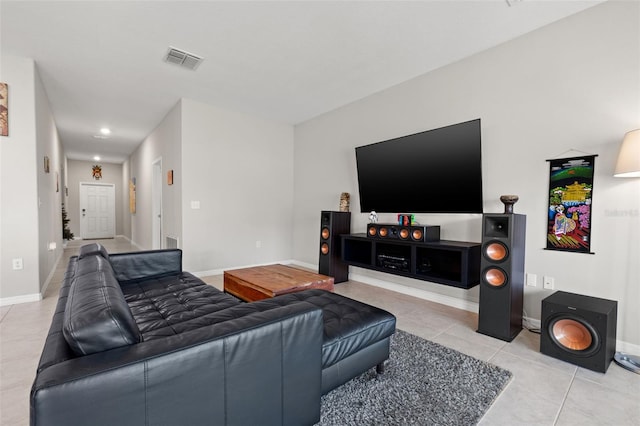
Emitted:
<point x="628" y="166"/>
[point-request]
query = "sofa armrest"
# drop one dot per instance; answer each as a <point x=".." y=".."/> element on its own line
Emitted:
<point x="263" y="369"/>
<point x="145" y="264"/>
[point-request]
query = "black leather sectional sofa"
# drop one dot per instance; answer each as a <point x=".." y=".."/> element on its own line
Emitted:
<point x="137" y="341"/>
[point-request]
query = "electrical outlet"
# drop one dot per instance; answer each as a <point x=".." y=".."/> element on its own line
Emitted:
<point x="532" y="280"/>
<point x="17" y="264"/>
<point x="548" y="283"/>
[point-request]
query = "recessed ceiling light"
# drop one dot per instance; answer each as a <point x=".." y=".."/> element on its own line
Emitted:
<point x="96" y="158"/>
<point x="105" y="131"/>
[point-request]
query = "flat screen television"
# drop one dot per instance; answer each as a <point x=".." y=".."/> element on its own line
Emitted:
<point x="436" y="171"/>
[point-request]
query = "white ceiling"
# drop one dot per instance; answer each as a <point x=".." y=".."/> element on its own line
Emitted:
<point x="101" y="62"/>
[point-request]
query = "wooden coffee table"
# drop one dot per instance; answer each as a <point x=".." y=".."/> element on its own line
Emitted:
<point x="263" y="282"/>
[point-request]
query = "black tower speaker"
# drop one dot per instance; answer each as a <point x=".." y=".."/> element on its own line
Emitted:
<point x="579" y="329"/>
<point x="502" y="275"/>
<point x="332" y="224"/>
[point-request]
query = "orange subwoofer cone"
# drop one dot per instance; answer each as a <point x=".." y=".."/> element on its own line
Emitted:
<point x="417" y="234"/>
<point x="324" y="248"/>
<point x="496" y="251"/>
<point x="325" y="233"/>
<point x="495" y="277"/>
<point x="372" y="231"/>
<point x="404" y="233"/>
<point x="572" y="334"/>
<point x="383" y="232"/>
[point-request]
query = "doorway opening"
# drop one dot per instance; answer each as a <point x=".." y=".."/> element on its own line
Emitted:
<point x="156" y="202"/>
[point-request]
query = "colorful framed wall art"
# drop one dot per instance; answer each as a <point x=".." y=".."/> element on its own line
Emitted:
<point x="570" y="204"/>
<point x="4" y="109"/>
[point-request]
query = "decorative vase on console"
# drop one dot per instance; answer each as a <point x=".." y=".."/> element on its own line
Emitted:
<point x="345" y="199"/>
<point x="509" y="201"/>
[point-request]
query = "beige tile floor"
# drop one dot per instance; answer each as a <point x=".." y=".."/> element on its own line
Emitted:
<point x="543" y="391"/>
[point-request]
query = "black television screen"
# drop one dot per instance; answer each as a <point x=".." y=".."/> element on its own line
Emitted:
<point x="436" y="171"/>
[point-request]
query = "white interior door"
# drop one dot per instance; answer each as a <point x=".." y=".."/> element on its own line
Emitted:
<point x="97" y="210"/>
<point x="156" y="195"/>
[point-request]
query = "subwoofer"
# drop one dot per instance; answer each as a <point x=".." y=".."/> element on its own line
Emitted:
<point x="404" y="232"/>
<point x="579" y="329"/>
<point x="332" y="224"/>
<point x="502" y="275"/>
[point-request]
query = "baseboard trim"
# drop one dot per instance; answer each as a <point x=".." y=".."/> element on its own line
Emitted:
<point x="25" y="298"/>
<point x="43" y="290"/>
<point x="465" y="305"/>
<point x="133" y="243"/>
<point x="398" y="288"/>
<point x="628" y="348"/>
<point x="210" y="272"/>
<point x="305" y="265"/>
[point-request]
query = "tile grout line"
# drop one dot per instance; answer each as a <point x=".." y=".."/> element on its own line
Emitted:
<point x="9" y="307"/>
<point x="564" y="399"/>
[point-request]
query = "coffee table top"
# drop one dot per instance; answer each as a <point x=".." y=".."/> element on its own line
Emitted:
<point x="262" y="282"/>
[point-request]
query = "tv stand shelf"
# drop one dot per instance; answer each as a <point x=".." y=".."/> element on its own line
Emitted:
<point x="453" y="263"/>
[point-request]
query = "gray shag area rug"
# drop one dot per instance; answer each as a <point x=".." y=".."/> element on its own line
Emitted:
<point x="424" y="383"/>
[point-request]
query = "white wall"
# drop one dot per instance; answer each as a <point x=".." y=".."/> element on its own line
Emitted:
<point x="50" y="187"/>
<point x="164" y="142"/>
<point x="19" y="184"/>
<point x="30" y="206"/>
<point x="240" y="169"/>
<point x="81" y="171"/>
<point x="573" y="85"/>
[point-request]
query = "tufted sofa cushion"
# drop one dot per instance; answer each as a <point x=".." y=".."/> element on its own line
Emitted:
<point x="167" y="306"/>
<point x="172" y="304"/>
<point x="97" y="317"/>
<point x="349" y="325"/>
<point x="92" y="250"/>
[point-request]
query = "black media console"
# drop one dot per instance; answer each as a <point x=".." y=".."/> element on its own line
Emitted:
<point x="453" y="263"/>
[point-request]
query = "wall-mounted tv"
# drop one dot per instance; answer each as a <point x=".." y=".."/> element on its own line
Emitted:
<point x="436" y="171"/>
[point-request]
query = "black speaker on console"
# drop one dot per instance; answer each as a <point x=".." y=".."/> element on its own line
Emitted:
<point x="579" y="329"/>
<point x="404" y="232"/>
<point x="502" y="275"/>
<point x="332" y="224"/>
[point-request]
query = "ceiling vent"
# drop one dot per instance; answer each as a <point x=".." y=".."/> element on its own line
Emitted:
<point x="182" y="58"/>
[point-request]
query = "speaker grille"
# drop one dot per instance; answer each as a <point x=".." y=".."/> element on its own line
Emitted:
<point x="496" y="251"/>
<point x="573" y="335"/>
<point x="496" y="226"/>
<point x="325" y="233"/>
<point x="324" y="248"/>
<point x="495" y="277"/>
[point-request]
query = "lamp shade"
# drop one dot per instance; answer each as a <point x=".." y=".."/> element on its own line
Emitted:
<point x="628" y="164"/>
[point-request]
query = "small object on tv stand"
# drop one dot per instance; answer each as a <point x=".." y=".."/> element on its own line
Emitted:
<point x="345" y="201"/>
<point x="406" y="219"/>
<point x="373" y="217"/>
<point x="509" y="201"/>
